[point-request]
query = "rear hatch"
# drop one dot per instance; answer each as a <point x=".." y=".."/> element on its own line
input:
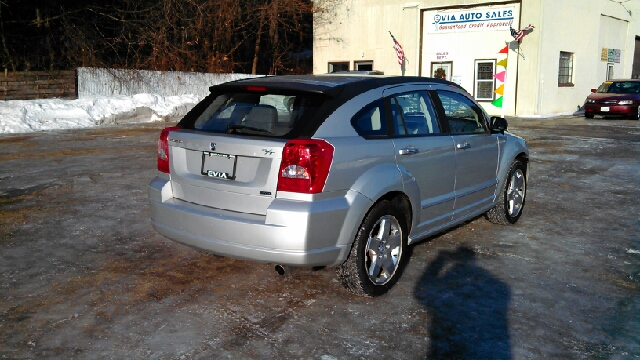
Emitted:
<point x="228" y="151"/>
<point x="225" y="172"/>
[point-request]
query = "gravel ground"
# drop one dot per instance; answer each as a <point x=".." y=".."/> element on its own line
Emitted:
<point x="83" y="274"/>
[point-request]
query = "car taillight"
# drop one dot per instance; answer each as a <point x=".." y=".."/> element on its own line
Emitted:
<point x="305" y="166"/>
<point x="163" y="149"/>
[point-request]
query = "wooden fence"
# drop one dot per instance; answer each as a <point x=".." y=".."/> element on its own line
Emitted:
<point x="27" y="85"/>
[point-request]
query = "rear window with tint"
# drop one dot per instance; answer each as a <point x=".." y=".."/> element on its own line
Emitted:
<point x="261" y="114"/>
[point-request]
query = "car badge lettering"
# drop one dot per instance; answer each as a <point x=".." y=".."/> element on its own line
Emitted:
<point x="219" y="174"/>
<point x="212" y="146"/>
<point x="268" y="151"/>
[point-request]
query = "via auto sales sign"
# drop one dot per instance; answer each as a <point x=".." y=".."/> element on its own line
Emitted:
<point x="471" y="20"/>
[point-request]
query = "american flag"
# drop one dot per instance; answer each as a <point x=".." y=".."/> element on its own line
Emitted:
<point x="398" y="48"/>
<point x="519" y="34"/>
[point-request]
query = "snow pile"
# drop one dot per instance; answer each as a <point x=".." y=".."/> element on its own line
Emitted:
<point x="20" y="116"/>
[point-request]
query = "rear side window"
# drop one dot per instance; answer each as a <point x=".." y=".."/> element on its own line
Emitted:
<point x="462" y="115"/>
<point x="265" y="114"/>
<point x="371" y="120"/>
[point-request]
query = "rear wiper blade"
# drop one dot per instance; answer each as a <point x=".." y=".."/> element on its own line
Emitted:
<point x="235" y="127"/>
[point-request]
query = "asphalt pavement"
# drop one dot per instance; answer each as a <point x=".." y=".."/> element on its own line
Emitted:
<point x="84" y="275"/>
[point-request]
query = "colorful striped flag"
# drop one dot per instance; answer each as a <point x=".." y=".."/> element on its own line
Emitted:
<point x="519" y="34"/>
<point x="398" y="48"/>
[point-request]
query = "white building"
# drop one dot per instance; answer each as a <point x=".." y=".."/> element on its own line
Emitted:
<point x="574" y="46"/>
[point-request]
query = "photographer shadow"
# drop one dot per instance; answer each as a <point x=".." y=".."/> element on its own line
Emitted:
<point x="466" y="306"/>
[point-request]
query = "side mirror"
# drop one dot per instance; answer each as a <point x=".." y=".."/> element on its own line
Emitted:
<point x="498" y="124"/>
<point x="594" y="90"/>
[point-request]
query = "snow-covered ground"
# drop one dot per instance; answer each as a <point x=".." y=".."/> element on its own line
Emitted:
<point x="22" y="116"/>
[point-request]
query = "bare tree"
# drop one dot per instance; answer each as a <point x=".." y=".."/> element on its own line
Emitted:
<point x="260" y="36"/>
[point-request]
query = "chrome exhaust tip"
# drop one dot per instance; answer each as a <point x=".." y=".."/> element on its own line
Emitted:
<point x="282" y="269"/>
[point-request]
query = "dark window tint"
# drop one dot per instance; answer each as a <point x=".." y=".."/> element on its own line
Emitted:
<point x="462" y="114"/>
<point x="620" y="87"/>
<point x="371" y="120"/>
<point x="262" y="114"/>
<point x="416" y="111"/>
<point x="397" y="118"/>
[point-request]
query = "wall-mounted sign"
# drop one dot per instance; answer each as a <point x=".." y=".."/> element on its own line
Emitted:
<point x="442" y="55"/>
<point x="471" y="20"/>
<point x="610" y="55"/>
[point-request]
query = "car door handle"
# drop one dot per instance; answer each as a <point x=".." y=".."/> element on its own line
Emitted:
<point x="464" y="145"/>
<point x="408" y="151"/>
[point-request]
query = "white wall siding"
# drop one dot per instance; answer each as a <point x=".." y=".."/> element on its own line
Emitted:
<point x="360" y="31"/>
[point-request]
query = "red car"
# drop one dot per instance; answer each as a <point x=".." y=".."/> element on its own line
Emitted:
<point x="614" y="98"/>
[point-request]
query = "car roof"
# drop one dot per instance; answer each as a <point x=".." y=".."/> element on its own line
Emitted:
<point x="327" y="84"/>
<point x="622" y="80"/>
<point x="359" y="72"/>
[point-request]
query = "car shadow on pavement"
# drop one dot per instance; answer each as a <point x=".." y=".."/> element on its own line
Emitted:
<point x="466" y="306"/>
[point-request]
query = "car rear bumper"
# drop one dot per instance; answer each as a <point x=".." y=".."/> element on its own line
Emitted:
<point x="295" y="233"/>
<point x="612" y="110"/>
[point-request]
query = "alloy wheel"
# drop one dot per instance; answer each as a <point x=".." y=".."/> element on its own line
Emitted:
<point x="516" y="192"/>
<point x="383" y="250"/>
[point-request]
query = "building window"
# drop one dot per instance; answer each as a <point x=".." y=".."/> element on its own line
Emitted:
<point x="338" y="66"/>
<point x="364" y="65"/>
<point x="565" y="69"/>
<point x="442" y="70"/>
<point x="485" y="82"/>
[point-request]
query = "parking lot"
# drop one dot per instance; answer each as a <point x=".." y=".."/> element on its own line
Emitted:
<point x="83" y="274"/>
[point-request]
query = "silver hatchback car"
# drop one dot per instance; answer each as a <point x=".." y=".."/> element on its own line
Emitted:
<point x="334" y="170"/>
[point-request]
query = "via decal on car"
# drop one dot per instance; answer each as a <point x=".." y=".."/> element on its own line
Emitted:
<point x="268" y="151"/>
<point x="220" y="175"/>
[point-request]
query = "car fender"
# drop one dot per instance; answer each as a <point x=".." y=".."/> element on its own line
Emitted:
<point x="378" y="181"/>
<point x="511" y="147"/>
<point x="373" y="184"/>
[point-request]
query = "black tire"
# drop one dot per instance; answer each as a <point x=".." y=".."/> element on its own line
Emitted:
<point x="588" y="116"/>
<point x="637" y="115"/>
<point x="512" y="196"/>
<point x="354" y="272"/>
